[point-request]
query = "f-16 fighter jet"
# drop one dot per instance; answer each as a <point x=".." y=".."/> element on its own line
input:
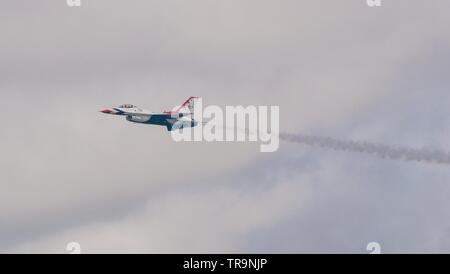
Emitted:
<point x="180" y="117"/>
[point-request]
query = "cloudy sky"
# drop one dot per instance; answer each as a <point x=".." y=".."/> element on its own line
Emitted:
<point x="335" y="68"/>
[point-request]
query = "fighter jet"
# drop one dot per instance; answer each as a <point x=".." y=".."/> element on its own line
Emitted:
<point x="180" y="117"/>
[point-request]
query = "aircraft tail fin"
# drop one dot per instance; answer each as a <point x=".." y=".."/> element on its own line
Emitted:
<point x="189" y="104"/>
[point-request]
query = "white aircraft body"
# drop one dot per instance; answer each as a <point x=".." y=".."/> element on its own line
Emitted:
<point x="180" y="117"/>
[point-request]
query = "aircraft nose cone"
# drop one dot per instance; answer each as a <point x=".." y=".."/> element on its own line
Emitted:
<point x="107" y="111"/>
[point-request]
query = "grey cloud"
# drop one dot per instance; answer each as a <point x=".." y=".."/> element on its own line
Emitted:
<point x="335" y="68"/>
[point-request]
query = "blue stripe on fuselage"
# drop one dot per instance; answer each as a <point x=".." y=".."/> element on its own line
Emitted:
<point x="159" y="120"/>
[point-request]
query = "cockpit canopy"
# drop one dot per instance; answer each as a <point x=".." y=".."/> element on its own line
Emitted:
<point x="127" y="106"/>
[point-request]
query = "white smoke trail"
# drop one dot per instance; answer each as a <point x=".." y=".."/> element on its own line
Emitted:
<point x="402" y="153"/>
<point x="379" y="150"/>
